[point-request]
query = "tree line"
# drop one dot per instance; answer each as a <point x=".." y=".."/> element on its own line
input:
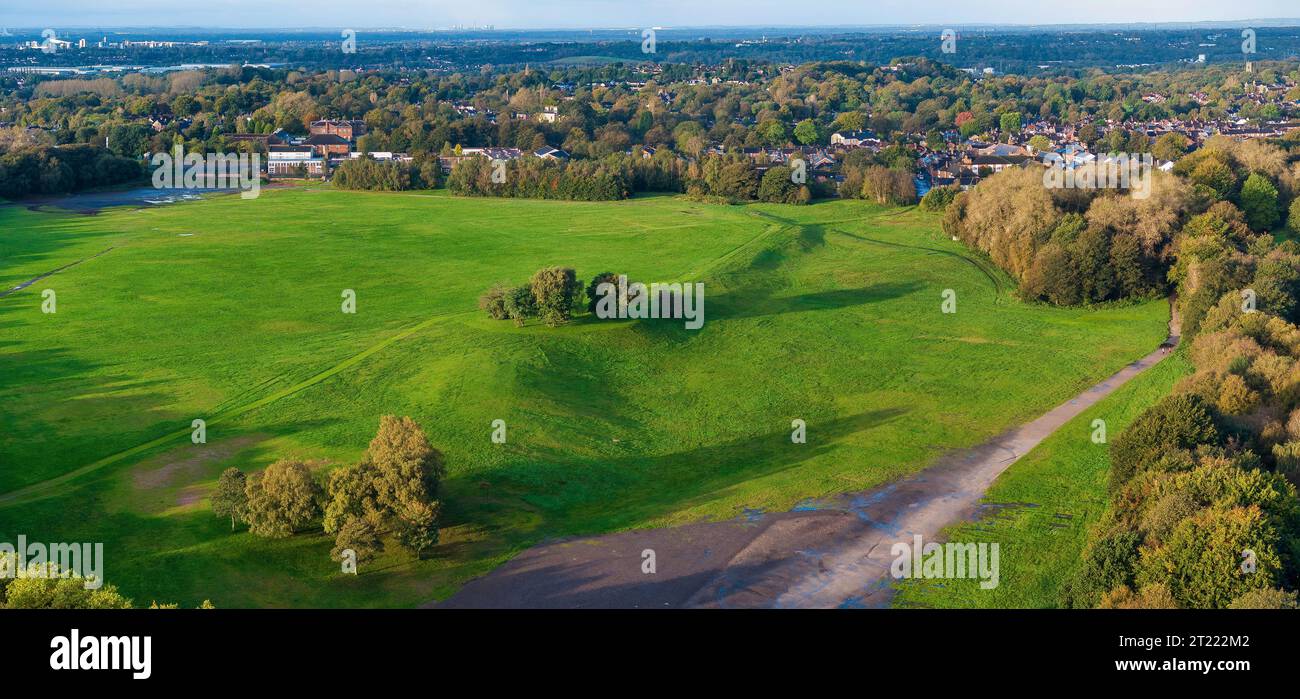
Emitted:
<point x="387" y="175"/>
<point x="43" y="170"/>
<point x="1203" y="508"/>
<point x="1196" y="228"/>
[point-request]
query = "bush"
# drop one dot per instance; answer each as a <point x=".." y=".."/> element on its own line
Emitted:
<point x="520" y="304"/>
<point x="493" y="301"/>
<point x="1149" y="597"/>
<point x="1202" y="562"/>
<point x="777" y="187"/>
<point x="1108" y="564"/>
<point x="556" y="291"/>
<point x="593" y="295"/>
<point x="938" y="198"/>
<point x="1265" y="599"/>
<point x="1177" y="422"/>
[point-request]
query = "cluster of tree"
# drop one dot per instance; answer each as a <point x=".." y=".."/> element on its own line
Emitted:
<point x="391" y="492"/>
<point x="1205" y="228"/>
<point x="538" y="178"/>
<point x="1253" y="174"/>
<point x="604" y="110"/>
<point x="1204" y="512"/>
<point x="63" y="169"/>
<point x="880" y="184"/>
<point x="1217" y="254"/>
<point x="387" y="175"/>
<point x="886" y="177"/>
<point x="778" y="187"/>
<point x="1080" y="50"/>
<point x="282" y="499"/>
<point x="729" y="178"/>
<point x="1072" y="246"/>
<point x="1247" y="368"/>
<point x="553" y="294"/>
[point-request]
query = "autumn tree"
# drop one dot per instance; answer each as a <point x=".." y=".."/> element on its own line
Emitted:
<point x="282" y="499"/>
<point x="359" y="536"/>
<point x="45" y="586"/>
<point x="393" y="490"/>
<point x="230" y="499"/>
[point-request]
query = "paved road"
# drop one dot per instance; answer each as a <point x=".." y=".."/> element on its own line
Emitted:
<point x="834" y="555"/>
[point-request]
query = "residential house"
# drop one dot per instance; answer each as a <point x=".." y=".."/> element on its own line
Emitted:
<point x="854" y="139"/>
<point x="551" y="153"/>
<point x="447" y="162"/>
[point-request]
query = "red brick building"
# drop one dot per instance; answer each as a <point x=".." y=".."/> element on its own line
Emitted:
<point x="348" y="129"/>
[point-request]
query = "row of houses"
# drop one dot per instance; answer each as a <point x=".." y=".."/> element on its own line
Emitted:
<point x="447" y="162"/>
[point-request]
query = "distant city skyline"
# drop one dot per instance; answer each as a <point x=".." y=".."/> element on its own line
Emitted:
<point x="567" y="14"/>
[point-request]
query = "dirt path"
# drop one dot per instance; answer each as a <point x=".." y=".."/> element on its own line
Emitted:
<point x="51" y="273"/>
<point x="836" y="554"/>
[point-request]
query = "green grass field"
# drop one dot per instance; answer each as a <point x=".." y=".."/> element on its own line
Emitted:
<point x="229" y="310"/>
<point x="1042" y="508"/>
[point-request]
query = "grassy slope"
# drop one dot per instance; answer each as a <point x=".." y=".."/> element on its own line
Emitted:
<point x="1042" y="508"/>
<point x="828" y="313"/>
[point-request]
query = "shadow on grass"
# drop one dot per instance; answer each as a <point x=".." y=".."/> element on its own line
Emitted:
<point x="586" y="496"/>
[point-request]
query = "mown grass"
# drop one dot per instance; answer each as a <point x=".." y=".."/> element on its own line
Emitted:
<point x="1042" y="508"/>
<point x="228" y="310"/>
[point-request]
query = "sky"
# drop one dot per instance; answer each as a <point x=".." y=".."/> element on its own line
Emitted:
<point x="535" y="14"/>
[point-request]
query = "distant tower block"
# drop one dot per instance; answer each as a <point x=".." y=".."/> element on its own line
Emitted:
<point x="1250" y="66"/>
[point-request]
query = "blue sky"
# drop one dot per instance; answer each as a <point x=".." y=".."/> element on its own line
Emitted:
<point x="618" y="13"/>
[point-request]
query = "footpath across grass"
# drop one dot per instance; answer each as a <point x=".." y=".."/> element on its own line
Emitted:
<point x="1041" y="509"/>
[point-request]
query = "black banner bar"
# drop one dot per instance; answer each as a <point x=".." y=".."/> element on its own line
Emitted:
<point x="335" y="648"/>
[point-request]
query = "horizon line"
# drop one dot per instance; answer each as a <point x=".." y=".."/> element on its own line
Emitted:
<point x="1278" y="22"/>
